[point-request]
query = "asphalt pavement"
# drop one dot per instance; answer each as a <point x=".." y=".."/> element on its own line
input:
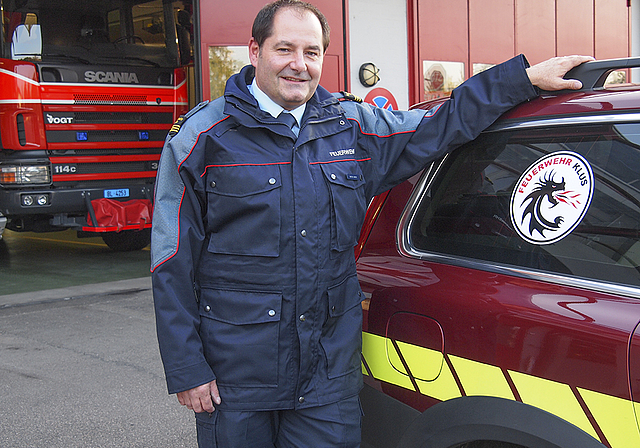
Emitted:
<point x="80" y="367"/>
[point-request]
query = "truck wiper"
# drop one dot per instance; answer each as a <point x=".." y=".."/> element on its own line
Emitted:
<point x="133" y="58"/>
<point x="66" y="56"/>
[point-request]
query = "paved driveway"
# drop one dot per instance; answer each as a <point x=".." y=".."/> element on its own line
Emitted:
<point x="82" y="369"/>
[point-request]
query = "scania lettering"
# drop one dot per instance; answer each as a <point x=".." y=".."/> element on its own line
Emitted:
<point x="89" y="91"/>
<point x="123" y="77"/>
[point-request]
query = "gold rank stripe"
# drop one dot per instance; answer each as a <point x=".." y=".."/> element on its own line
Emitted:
<point x="431" y="375"/>
<point x="176" y="126"/>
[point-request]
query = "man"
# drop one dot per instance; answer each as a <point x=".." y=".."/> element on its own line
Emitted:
<point x="257" y="300"/>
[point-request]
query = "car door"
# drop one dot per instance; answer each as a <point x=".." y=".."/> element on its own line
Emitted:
<point x="487" y="299"/>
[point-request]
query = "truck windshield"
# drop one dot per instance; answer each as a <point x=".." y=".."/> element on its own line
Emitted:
<point x="124" y="32"/>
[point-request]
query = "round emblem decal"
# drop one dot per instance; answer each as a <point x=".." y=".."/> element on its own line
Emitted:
<point x="551" y="197"/>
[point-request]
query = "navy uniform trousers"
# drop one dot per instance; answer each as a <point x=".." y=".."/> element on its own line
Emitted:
<point x="335" y="425"/>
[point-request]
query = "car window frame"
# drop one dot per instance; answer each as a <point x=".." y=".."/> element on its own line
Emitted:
<point x="429" y="174"/>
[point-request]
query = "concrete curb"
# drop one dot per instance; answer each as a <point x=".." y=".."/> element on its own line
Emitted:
<point x="26" y="298"/>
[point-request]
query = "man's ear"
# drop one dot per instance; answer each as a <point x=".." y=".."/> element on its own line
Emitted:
<point x="254" y="51"/>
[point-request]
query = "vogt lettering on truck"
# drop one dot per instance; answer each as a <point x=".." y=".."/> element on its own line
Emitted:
<point x="111" y="77"/>
<point x="58" y="120"/>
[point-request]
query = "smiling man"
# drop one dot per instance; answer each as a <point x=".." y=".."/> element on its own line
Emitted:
<point x="258" y="306"/>
<point x="288" y="62"/>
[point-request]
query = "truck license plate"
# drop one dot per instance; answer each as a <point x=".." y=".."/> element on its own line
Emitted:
<point x="117" y="193"/>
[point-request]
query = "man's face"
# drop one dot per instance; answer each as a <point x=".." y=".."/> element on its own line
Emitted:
<point x="289" y="63"/>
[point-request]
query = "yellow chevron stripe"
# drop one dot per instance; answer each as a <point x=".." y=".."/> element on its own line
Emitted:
<point x="374" y="351"/>
<point x="443" y="386"/>
<point x="615" y="417"/>
<point x="424" y="364"/>
<point x="481" y="379"/>
<point x="556" y="398"/>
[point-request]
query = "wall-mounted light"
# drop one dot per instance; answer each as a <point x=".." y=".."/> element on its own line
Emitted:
<point x="369" y="74"/>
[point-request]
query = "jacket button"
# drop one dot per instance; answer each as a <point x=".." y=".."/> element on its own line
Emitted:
<point x="342" y="122"/>
<point x="333" y="176"/>
<point x="207" y="308"/>
<point x="303" y="232"/>
<point x="302" y="318"/>
<point x="272" y="181"/>
<point x="213" y="184"/>
<point x="333" y="309"/>
<point x="272" y="313"/>
<point x="301" y="400"/>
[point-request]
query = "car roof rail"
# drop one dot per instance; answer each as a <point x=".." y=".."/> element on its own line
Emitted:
<point x="593" y="74"/>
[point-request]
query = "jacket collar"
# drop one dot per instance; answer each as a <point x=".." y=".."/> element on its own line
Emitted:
<point x="242" y="105"/>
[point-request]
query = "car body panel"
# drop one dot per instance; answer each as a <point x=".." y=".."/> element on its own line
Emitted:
<point x="441" y="328"/>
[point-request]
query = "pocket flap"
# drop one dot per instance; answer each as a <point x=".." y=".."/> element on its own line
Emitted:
<point x="241" y="307"/>
<point x="344" y="296"/>
<point x="239" y="181"/>
<point x="347" y="174"/>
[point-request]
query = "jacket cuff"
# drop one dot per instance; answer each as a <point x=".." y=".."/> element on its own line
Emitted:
<point x="188" y="377"/>
<point x="517" y="75"/>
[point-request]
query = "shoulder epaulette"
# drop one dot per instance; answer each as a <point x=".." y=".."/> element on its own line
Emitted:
<point x="351" y="97"/>
<point x="176" y="126"/>
<point x="182" y="118"/>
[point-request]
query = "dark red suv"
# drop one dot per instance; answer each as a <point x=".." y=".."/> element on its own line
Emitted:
<point x="503" y="283"/>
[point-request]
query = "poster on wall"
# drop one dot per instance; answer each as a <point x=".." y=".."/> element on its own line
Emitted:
<point x="441" y="77"/>
<point x="224" y="62"/>
<point x="479" y="68"/>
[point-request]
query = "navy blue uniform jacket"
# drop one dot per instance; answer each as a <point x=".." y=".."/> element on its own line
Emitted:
<point x="254" y="276"/>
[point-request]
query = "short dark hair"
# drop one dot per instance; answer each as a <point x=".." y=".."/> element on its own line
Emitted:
<point x="263" y="23"/>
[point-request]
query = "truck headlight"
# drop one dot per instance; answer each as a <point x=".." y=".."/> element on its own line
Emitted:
<point x="24" y="174"/>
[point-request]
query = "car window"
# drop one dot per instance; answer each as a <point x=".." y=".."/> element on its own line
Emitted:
<point x="469" y="208"/>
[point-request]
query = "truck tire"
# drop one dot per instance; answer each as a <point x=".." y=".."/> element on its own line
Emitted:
<point x="127" y="240"/>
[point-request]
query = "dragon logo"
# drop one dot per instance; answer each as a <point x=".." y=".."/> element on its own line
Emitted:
<point x="551" y="197"/>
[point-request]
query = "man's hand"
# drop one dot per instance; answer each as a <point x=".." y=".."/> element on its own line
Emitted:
<point x="199" y="399"/>
<point x="548" y="75"/>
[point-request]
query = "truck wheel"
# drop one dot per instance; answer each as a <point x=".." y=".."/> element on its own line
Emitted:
<point x="127" y="240"/>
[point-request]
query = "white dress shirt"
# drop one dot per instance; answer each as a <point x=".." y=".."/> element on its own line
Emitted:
<point x="274" y="109"/>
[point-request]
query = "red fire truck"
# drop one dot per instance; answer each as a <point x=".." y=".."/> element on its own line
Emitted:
<point x="89" y="91"/>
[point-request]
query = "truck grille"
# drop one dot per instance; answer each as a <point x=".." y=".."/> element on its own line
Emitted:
<point x="110" y="99"/>
<point x="92" y="143"/>
<point x="121" y="117"/>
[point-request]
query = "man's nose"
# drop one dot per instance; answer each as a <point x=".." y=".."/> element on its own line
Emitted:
<point x="298" y="63"/>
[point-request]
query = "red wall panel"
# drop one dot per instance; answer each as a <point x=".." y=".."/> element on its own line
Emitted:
<point x="491" y="31"/>
<point x="575" y="27"/>
<point x="611" y="29"/>
<point x="443" y="31"/>
<point x="535" y="23"/>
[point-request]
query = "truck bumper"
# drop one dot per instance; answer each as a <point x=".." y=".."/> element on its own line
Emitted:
<point x="65" y="208"/>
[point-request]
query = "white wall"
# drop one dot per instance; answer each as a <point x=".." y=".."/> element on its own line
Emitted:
<point x="378" y="34"/>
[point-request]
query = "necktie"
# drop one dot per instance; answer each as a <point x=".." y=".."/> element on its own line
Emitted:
<point x="290" y="121"/>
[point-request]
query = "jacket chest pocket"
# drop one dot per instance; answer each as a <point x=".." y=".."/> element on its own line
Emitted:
<point x="348" y="202"/>
<point x="243" y="210"/>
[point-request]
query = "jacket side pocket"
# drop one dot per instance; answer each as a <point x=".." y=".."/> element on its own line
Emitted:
<point x="239" y="331"/>
<point x="341" y="336"/>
